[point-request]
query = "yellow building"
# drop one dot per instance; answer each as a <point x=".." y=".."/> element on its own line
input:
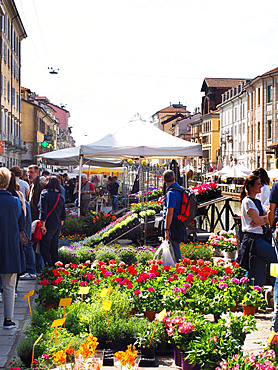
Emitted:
<point x="38" y="125"/>
<point x="210" y="138"/>
<point x="12" y="33"/>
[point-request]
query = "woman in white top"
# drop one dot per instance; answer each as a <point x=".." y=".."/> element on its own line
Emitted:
<point x="265" y="190"/>
<point x="255" y="253"/>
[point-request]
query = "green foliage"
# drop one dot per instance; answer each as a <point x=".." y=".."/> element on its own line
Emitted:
<point x="195" y="251"/>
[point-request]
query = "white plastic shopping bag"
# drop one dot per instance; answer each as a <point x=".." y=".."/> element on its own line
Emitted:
<point x="166" y="253"/>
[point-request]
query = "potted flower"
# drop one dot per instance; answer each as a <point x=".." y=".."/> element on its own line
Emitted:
<point x="226" y="241"/>
<point x="252" y="300"/>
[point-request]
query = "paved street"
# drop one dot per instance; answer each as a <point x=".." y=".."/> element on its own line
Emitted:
<point x="10" y="338"/>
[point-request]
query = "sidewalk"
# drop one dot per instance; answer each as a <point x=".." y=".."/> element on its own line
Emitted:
<point x="9" y="339"/>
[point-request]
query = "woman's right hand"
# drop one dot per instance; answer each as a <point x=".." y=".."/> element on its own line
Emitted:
<point x="44" y="231"/>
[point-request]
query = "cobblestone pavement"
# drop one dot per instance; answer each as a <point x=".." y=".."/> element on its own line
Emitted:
<point x="9" y="339"/>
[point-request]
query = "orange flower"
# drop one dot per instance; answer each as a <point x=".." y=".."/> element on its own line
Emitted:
<point x="70" y="351"/>
<point x="128" y="356"/>
<point x="59" y="356"/>
<point x="92" y="341"/>
<point x="84" y="350"/>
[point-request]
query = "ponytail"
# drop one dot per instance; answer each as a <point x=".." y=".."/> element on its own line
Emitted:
<point x="248" y="181"/>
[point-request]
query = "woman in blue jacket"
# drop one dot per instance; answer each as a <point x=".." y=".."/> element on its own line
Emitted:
<point x="12" y="220"/>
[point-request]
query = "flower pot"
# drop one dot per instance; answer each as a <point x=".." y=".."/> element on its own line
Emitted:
<point x="235" y="308"/>
<point x="185" y="365"/>
<point x="177" y="356"/>
<point x="148" y="352"/>
<point x="249" y="310"/>
<point x="230" y="256"/>
<point x="150" y="315"/>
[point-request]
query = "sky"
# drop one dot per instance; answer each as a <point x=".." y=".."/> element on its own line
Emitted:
<point x="117" y="58"/>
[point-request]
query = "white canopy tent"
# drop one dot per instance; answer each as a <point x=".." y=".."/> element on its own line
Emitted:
<point x="137" y="138"/>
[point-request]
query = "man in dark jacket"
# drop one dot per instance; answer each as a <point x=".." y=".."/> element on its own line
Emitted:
<point x="114" y="187"/>
<point x="34" y="197"/>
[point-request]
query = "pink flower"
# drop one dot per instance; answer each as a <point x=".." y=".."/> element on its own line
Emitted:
<point x="150" y="289"/>
<point x="74" y="281"/>
<point x="137" y="292"/>
<point x="186" y="327"/>
<point x="222" y="285"/>
<point x="257" y="287"/>
<point x="83" y="283"/>
<point x="59" y="263"/>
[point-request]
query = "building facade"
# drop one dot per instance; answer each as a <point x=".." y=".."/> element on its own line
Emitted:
<point x="166" y="118"/>
<point x="233" y="125"/>
<point x="248" y="121"/>
<point x="38" y="126"/>
<point x="12" y="34"/>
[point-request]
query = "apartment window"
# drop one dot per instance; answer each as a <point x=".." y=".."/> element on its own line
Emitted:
<point x="269" y="94"/>
<point x="13" y="96"/>
<point x="259" y="96"/>
<point x="269" y="129"/>
<point x="243" y="110"/>
<point x="259" y="131"/>
<point x="235" y="114"/>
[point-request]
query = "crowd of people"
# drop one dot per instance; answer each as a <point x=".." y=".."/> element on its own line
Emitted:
<point x="27" y="198"/>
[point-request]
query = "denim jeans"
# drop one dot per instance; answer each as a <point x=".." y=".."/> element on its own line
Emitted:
<point x="38" y="259"/>
<point x="275" y="297"/>
<point x="114" y="202"/>
<point x="264" y="254"/>
<point x="30" y="258"/>
<point x="176" y="248"/>
<point x="49" y="246"/>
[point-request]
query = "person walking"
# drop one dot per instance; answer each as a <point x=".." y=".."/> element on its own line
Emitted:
<point x="52" y="214"/>
<point x="12" y="221"/>
<point x="28" y="247"/>
<point x="114" y="188"/>
<point x="24" y="186"/>
<point x="173" y="229"/>
<point x="87" y="189"/>
<point x="34" y="197"/>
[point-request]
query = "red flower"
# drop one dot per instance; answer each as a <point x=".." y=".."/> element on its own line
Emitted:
<point x="166" y="268"/>
<point x="150" y="289"/>
<point x="170" y="279"/>
<point x="186" y="261"/>
<point x="83" y="283"/>
<point x="66" y="272"/>
<point x="44" y="282"/>
<point x="120" y="269"/>
<point x="74" y="281"/>
<point x="159" y="262"/>
<point x="131" y="270"/>
<point x="200" y="262"/>
<point x="137" y="292"/>
<point x="228" y="270"/>
<point x="56" y="273"/>
<point x="73" y="266"/>
<point x="235" y="264"/>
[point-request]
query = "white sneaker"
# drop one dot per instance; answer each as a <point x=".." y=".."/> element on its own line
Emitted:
<point x="15" y="295"/>
<point x="28" y="276"/>
<point x="1" y="297"/>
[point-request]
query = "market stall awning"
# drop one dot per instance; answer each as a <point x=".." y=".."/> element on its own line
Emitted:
<point x="138" y="138"/>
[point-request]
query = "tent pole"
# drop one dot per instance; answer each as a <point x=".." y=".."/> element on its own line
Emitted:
<point x="79" y="182"/>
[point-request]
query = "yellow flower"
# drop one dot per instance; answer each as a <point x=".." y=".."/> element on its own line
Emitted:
<point x="130" y="161"/>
